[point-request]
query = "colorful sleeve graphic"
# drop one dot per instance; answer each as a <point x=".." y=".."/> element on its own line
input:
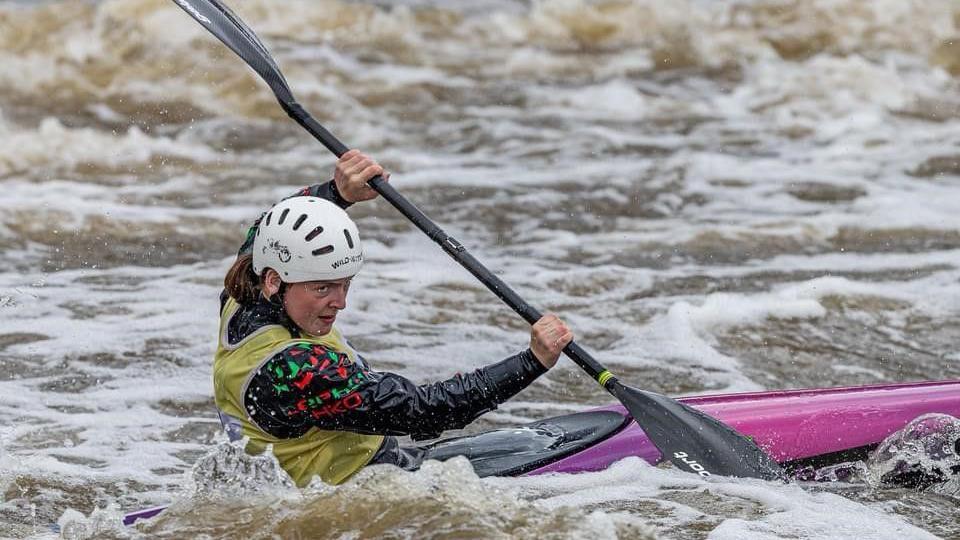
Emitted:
<point x="301" y="384"/>
<point x="308" y="385"/>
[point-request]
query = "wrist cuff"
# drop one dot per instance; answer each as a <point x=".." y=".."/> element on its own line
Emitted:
<point x="336" y="197"/>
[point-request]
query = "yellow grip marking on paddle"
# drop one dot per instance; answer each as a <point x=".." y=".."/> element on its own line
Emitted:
<point x="603" y="377"/>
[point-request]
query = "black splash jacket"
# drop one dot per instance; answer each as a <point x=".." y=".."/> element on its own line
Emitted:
<point x="308" y="385"/>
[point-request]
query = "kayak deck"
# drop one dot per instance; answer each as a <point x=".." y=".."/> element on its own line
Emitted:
<point x="515" y="451"/>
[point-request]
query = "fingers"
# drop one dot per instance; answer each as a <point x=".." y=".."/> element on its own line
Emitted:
<point x="354" y="169"/>
<point x="551" y="331"/>
<point x="548" y="337"/>
<point x="371" y="170"/>
<point x="359" y="164"/>
<point x="564" y="339"/>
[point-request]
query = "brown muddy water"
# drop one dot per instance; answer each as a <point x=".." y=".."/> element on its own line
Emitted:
<point x="718" y="196"/>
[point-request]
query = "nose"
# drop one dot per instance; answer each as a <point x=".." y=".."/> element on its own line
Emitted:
<point x="339" y="298"/>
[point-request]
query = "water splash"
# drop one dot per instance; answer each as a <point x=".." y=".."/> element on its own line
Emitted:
<point x="73" y="525"/>
<point x="922" y="455"/>
<point x="228" y="471"/>
<point x="440" y="500"/>
<point x="848" y="471"/>
<point x="224" y="474"/>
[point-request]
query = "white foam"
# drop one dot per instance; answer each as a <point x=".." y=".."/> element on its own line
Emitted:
<point x="516" y="99"/>
<point x="613" y="99"/>
<point x="796" y="512"/>
<point x="23" y="149"/>
<point x="788" y="509"/>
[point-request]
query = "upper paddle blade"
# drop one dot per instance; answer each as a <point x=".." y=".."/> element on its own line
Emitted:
<point x="694" y="441"/>
<point x="221" y="22"/>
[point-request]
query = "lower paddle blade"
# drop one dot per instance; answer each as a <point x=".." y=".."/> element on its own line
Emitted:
<point x="694" y="441"/>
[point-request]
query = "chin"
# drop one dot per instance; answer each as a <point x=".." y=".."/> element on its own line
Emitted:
<point x="321" y="330"/>
<point x="315" y="326"/>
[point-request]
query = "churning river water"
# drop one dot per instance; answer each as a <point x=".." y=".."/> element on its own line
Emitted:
<point x="718" y="195"/>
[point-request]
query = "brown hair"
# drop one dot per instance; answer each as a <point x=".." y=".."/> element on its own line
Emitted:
<point x="241" y="282"/>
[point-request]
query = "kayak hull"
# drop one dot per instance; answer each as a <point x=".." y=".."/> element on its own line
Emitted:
<point x="791" y="425"/>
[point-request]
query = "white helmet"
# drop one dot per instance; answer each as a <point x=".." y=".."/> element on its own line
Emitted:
<point x="307" y="239"/>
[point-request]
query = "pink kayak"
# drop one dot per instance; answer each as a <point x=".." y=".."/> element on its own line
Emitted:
<point x="791" y="425"/>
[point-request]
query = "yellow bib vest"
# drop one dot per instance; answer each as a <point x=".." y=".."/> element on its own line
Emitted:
<point x="332" y="455"/>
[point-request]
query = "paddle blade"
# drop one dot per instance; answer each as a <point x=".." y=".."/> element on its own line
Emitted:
<point x="694" y="441"/>
<point x="221" y="22"/>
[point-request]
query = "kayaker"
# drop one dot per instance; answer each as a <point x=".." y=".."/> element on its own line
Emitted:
<point x="285" y="376"/>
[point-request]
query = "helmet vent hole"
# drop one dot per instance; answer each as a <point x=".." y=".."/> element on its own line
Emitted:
<point x="346" y="233"/>
<point x="283" y="216"/>
<point x="323" y="251"/>
<point x="299" y="222"/>
<point x="314" y="233"/>
<point x="270" y="215"/>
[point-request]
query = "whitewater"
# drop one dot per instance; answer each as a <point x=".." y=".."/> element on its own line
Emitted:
<point x="718" y="196"/>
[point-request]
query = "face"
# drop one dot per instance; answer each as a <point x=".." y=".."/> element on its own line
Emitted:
<point x="314" y="305"/>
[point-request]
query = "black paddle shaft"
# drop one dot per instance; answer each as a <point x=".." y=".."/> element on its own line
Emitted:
<point x="448" y="243"/>
<point x="235" y="34"/>
<point x="692" y="440"/>
<point x="696" y="449"/>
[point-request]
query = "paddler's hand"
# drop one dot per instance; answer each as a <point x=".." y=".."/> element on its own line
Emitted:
<point x="548" y="337"/>
<point x="353" y="171"/>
